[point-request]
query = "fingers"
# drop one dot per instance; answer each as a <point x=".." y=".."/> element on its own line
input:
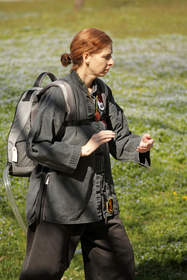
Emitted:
<point x="96" y="140"/>
<point x="145" y="144"/>
<point x="105" y="133"/>
<point x="146" y="139"/>
<point x="146" y="136"/>
<point x="142" y="150"/>
<point x="103" y="136"/>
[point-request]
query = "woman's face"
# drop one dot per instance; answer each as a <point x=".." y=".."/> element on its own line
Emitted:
<point x="98" y="64"/>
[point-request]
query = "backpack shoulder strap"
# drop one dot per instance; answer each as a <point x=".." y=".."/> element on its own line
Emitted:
<point x="67" y="92"/>
<point x="68" y="96"/>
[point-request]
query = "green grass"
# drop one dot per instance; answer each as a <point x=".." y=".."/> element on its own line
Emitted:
<point x="149" y="81"/>
<point x="121" y="18"/>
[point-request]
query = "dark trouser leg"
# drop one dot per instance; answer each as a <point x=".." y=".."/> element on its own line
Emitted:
<point x="50" y="249"/>
<point x="107" y="252"/>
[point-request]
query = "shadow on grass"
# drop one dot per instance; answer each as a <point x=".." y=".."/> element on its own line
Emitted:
<point x="153" y="270"/>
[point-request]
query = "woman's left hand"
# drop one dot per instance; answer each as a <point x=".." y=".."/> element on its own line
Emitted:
<point x="145" y="144"/>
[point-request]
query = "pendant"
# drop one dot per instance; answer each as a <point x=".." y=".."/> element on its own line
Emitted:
<point x="97" y="116"/>
<point x="100" y="105"/>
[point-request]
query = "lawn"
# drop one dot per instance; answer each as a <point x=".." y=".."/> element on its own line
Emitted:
<point x="149" y="81"/>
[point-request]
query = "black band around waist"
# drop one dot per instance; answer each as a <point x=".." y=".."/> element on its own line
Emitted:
<point x="80" y="122"/>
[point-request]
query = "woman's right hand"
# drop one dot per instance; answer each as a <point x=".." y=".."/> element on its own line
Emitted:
<point x="95" y="141"/>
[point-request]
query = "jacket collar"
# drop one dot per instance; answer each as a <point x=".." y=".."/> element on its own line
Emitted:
<point x="82" y="85"/>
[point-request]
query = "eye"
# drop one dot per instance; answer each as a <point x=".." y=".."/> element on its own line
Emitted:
<point x="108" y="56"/>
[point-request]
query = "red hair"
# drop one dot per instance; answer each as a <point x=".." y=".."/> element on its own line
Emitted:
<point x="90" y="40"/>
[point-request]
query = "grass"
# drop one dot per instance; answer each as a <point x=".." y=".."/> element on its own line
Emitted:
<point x="149" y="81"/>
<point x="122" y="18"/>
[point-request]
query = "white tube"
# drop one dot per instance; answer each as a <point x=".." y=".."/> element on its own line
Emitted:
<point x="12" y="200"/>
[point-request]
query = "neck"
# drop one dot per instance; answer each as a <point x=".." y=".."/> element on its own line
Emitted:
<point x="85" y="77"/>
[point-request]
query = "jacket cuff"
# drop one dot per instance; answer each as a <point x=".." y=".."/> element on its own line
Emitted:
<point x="144" y="159"/>
<point x="76" y="153"/>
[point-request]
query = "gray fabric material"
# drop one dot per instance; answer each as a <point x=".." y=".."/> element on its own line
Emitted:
<point x="16" y="138"/>
<point x="78" y="187"/>
<point x="27" y="108"/>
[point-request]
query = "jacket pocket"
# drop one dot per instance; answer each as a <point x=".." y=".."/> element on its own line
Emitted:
<point x="35" y="198"/>
<point x="41" y="213"/>
<point x="32" y="198"/>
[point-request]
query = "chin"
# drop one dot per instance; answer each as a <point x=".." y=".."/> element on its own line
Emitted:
<point x="102" y="74"/>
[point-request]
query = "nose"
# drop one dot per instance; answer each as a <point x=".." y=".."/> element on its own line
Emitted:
<point x="111" y="62"/>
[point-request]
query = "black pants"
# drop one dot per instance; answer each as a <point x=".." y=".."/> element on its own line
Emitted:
<point x="106" y="250"/>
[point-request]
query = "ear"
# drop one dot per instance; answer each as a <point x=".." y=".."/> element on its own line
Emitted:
<point x="86" y="58"/>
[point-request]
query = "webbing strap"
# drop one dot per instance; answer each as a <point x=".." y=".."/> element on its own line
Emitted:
<point x="79" y="122"/>
<point x="67" y="93"/>
<point x="68" y="96"/>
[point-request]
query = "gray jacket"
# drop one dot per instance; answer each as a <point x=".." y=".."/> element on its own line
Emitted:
<point x="64" y="187"/>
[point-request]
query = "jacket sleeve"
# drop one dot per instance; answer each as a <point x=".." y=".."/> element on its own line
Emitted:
<point x="124" y="145"/>
<point x="41" y="143"/>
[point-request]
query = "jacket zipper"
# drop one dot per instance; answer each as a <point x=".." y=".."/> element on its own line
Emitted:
<point x="42" y="213"/>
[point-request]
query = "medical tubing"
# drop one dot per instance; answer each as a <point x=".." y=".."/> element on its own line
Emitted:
<point x="11" y="199"/>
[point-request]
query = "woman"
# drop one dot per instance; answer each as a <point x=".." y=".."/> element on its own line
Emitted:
<point x="71" y="196"/>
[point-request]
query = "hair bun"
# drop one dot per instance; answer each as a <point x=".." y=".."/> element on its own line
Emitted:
<point x="65" y="59"/>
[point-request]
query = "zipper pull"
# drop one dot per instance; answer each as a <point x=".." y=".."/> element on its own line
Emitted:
<point x="14" y="154"/>
<point x="47" y="180"/>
